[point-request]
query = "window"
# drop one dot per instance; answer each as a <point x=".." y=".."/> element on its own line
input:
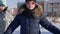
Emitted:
<point x="54" y="9"/>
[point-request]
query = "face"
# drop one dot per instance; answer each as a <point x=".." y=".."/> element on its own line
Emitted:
<point x="30" y="5"/>
<point x="2" y="7"/>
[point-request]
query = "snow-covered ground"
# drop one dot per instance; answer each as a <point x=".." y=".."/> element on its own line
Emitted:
<point x="17" y="31"/>
<point x="43" y="31"/>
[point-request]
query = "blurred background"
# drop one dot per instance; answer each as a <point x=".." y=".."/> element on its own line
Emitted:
<point x="51" y="8"/>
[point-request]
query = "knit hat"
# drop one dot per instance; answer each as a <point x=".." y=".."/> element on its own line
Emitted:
<point x="2" y="5"/>
<point x="30" y="0"/>
<point x="3" y="2"/>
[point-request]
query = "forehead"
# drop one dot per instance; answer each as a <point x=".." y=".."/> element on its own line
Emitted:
<point x="30" y="1"/>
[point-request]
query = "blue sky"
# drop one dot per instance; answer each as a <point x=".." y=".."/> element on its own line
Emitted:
<point x="13" y="3"/>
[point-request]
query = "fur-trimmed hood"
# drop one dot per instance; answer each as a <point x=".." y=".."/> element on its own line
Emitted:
<point x="37" y="11"/>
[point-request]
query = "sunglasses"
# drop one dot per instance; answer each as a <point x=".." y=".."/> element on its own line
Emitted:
<point x="28" y="2"/>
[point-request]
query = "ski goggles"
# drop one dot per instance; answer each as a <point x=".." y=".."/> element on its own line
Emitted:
<point x="29" y="2"/>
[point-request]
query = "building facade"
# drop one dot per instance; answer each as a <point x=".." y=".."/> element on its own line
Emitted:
<point x="52" y="7"/>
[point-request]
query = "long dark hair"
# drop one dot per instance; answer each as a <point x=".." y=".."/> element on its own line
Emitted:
<point x="5" y="9"/>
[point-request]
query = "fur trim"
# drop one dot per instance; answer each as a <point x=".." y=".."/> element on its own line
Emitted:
<point x="37" y="11"/>
<point x="21" y="9"/>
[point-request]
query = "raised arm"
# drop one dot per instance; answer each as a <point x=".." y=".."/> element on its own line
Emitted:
<point x="45" y="23"/>
<point x="15" y="23"/>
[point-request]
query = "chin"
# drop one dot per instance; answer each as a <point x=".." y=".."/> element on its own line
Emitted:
<point x="30" y="9"/>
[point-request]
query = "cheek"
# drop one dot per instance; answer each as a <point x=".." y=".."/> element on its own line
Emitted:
<point x="27" y="6"/>
<point x="1" y="8"/>
<point x="32" y="6"/>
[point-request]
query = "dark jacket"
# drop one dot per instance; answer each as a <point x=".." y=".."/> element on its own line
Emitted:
<point x="30" y="25"/>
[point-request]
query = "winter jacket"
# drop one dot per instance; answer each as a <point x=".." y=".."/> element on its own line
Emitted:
<point x="5" y="20"/>
<point x="30" y="25"/>
<point x="8" y="18"/>
<point x="2" y="22"/>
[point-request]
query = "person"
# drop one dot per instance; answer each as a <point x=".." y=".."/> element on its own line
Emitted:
<point x="3" y="8"/>
<point x="5" y="16"/>
<point x="29" y="17"/>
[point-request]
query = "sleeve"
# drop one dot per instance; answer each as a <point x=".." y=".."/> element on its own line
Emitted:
<point x="15" y="23"/>
<point x="45" y="23"/>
